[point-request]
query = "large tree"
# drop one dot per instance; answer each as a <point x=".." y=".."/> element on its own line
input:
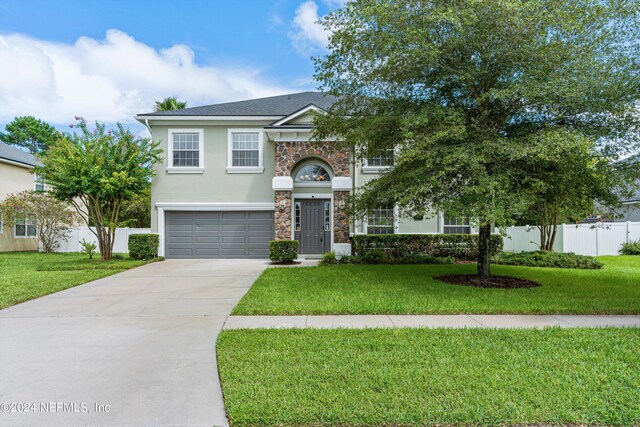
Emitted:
<point x="170" y="103"/>
<point x="30" y="133"/>
<point x="97" y="171"/>
<point x="462" y="89"/>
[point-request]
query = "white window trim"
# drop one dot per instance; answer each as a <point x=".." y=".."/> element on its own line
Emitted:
<point x="376" y="169"/>
<point x="185" y="169"/>
<point x="1" y="226"/>
<point x="245" y="169"/>
<point x="396" y="221"/>
<point x="26" y="236"/>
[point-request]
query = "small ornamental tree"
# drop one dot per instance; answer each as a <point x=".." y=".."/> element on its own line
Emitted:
<point x="96" y="171"/>
<point x="462" y="89"/>
<point x="51" y="218"/>
<point x="30" y="133"/>
<point x="567" y="179"/>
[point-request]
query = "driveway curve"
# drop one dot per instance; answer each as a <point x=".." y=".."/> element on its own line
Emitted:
<point x="136" y="348"/>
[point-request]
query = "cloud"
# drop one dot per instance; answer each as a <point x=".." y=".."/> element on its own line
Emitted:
<point x="307" y="35"/>
<point x="112" y="79"/>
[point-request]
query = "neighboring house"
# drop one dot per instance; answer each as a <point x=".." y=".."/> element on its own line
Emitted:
<point x="15" y="176"/>
<point x="239" y="174"/>
<point x="630" y="210"/>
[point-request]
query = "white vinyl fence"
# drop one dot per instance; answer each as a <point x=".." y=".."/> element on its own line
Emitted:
<point x="583" y="239"/>
<point x="121" y="244"/>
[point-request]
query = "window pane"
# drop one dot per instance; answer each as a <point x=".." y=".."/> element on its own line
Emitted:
<point x="385" y="159"/>
<point x="380" y="221"/>
<point x="186" y="148"/>
<point x="245" y="149"/>
<point x="31" y="230"/>
<point x="20" y="230"/>
<point x="312" y="173"/>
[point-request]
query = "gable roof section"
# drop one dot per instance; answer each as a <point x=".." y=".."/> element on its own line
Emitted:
<point x="282" y="105"/>
<point x="13" y="155"/>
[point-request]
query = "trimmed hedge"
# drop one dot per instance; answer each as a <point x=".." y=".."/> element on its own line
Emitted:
<point x="143" y="246"/>
<point x="460" y="246"/>
<point x="548" y="259"/>
<point x="378" y="256"/>
<point x="283" y="250"/>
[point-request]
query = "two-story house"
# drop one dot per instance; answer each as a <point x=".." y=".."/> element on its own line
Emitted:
<point x="236" y="175"/>
<point x="16" y="175"/>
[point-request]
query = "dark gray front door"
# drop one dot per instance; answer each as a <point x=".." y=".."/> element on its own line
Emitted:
<point x="204" y="234"/>
<point x="315" y="226"/>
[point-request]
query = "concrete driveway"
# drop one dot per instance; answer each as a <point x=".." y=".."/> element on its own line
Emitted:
<point x="136" y="348"/>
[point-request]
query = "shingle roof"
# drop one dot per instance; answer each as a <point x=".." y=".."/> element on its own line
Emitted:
<point x="281" y="105"/>
<point x="14" y="154"/>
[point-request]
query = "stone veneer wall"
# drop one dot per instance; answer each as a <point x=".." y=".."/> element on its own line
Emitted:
<point x="340" y="218"/>
<point x="282" y="216"/>
<point x="289" y="153"/>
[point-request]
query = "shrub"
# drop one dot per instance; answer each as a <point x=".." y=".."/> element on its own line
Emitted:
<point x="88" y="248"/>
<point x="549" y="259"/>
<point x="461" y="246"/>
<point x="329" y="258"/>
<point x="630" y="248"/>
<point x="143" y="246"/>
<point x="283" y="250"/>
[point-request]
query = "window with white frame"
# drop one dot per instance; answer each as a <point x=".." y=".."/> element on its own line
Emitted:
<point x="244" y="150"/>
<point x="1" y="230"/>
<point x="381" y="220"/>
<point x="24" y="228"/>
<point x="186" y="148"/>
<point x="384" y="159"/>
<point x="456" y="225"/>
<point x="39" y="183"/>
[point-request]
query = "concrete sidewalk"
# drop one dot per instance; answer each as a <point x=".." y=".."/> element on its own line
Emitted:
<point x="431" y="321"/>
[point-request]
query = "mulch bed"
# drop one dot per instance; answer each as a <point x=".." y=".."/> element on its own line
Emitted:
<point x="286" y="263"/>
<point x="500" y="282"/>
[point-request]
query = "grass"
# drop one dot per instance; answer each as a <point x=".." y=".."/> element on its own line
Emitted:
<point x="411" y="289"/>
<point x="28" y="275"/>
<point x="411" y="377"/>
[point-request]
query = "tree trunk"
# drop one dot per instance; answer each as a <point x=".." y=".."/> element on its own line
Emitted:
<point x="484" y="250"/>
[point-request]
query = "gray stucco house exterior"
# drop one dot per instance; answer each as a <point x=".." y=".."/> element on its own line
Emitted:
<point x="238" y="174"/>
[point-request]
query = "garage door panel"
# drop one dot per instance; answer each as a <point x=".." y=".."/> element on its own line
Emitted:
<point x="203" y="234"/>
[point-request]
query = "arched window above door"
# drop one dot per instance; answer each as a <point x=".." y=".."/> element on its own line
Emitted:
<point x="312" y="173"/>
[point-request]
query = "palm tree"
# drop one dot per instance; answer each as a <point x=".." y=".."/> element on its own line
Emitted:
<point x="169" y="103"/>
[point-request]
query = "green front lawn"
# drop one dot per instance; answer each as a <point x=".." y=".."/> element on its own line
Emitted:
<point x="411" y="377"/>
<point x="28" y="275"/>
<point x="411" y="289"/>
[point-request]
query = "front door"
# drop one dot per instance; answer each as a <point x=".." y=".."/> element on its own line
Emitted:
<point x="315" y="226"/>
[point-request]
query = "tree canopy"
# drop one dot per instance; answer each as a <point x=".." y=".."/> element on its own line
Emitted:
<point x="169" y="103"/>
<point x="96" y="171"/>
<point x="30" y="133"/>
<point x="462" y="89"/>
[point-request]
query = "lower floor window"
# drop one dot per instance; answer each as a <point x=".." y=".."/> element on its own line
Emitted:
<point x="24" y="228"/>
<point x="380" y="220"/>
<point x="456" y="225"/>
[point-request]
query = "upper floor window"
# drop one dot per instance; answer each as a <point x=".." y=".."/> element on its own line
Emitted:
<point x="186" y="150"/>
<point x="24" y="228"/>
<point x="456" y="225"/>
<point x="384" y="159"/>
<point x="245" y="151"/>
<point x="312" y="173"/>
<point x="381" y="220"/>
